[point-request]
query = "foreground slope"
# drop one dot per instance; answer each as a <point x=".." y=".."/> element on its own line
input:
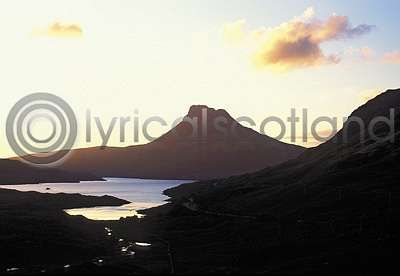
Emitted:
<point x="334" y="209"/>
<point x="36" y="234"/>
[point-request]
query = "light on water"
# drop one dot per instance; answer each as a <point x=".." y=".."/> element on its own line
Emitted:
<point x="105" y="213"/>
<point x="144" y="244"/>
<point x="142" y="193"/>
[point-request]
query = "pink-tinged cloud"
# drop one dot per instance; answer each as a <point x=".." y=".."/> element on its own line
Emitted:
<point x="297" y="43"/>
<point x="392" y="57"/>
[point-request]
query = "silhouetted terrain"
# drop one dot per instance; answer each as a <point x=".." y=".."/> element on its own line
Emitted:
<point x="330" y="165"/>
<point x="16" y="172"/>
<point x="333" y="209"/>
<point x="33" y="200"/>
<point x="216" y="147"/>
<point x="36" y="234"/>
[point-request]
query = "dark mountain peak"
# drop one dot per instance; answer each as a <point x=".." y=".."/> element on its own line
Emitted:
<point x="203" y="111"/>
<point x="356" y="135"/>
<point x="196" y="110"/>
<point x="208" y="143"/>
<point x="201" y="123"/>
<point x="379" y="106"/>
<point x="214" y="130"/>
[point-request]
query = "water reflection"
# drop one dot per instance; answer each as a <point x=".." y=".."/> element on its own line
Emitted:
<point x="144" y="244"/>
<point x="142" y="193"/>
<point x="106" y="213"/>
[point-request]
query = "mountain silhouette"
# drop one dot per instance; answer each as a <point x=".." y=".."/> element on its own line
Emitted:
<point x="355" y="159"/>
<point x="333" y="209"/>
<point x="206" y="144"/>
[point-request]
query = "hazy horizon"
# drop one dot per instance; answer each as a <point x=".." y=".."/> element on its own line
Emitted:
<point x="162" y="57"/>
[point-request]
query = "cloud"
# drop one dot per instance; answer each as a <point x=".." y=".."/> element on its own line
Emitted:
<point x="392" y="57"/>
<point x="297" y="43"/>
<point x="233" y="33"/>
<point x="309" y="13"/>
<point x="62" y="30"/>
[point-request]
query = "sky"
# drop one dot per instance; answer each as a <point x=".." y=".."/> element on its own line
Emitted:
<point x="253" y="58"/>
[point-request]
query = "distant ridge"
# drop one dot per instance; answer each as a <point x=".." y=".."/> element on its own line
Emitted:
<point x="17" y="172"/>
<point x="203" y="151"/>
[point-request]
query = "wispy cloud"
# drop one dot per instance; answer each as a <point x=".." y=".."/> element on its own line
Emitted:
<point x="62" y="30"/>
<point x="365" y="53"/>
<point x="297" y="43"/>
<point x="392" y="57"/>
